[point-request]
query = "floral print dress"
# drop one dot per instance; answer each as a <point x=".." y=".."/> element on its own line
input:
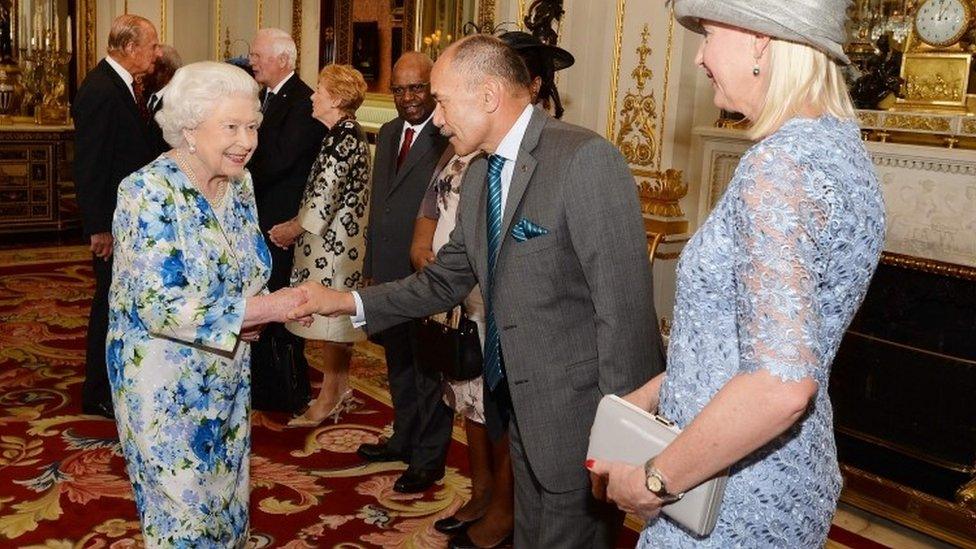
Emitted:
<point x="333" y="213"/>
<point x="180" y="375"/>
<point x="770" y="281"/>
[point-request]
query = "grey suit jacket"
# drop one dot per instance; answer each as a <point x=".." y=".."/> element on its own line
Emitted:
<point x="574" y="307"/>
<point x="395" y="198"/>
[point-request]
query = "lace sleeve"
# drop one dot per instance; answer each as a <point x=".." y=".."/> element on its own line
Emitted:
<point x="776" y="228"/>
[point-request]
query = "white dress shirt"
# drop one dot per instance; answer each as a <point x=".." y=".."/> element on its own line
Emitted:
<point x="508" y="149"/>
<point x="416" y="130"/>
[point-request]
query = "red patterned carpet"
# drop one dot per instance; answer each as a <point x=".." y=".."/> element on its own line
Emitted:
<point x="62" y="478"/>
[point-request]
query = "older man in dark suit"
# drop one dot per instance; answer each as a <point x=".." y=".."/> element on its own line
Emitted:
<point x="550" y="227"/>
<point x="288" y="141"/>
<point x="112" y="140"/>
<point x="407" y="150"/>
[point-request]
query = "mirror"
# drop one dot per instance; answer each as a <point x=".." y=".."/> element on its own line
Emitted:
<point x="371" y="34"/>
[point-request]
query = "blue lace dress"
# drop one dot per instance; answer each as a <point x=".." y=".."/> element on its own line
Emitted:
<point x="770" y="281"/>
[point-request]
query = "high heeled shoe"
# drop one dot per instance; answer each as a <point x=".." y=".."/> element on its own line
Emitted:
<point x="345" y="402"/>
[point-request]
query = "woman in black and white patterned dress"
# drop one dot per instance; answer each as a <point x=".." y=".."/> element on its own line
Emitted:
<point x="329" y="230"/>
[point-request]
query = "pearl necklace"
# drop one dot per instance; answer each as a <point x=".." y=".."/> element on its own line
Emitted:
<point x="219" y="197"/>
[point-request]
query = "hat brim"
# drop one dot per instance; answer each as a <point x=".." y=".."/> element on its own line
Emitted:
<point x="690" y="14"/>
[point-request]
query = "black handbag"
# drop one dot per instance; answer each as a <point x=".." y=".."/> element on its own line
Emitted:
<point x="455" y="352"/>
<point x="279" y="372"/>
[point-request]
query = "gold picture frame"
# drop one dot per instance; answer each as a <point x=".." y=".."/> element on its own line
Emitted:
<point x="934" y="81"/>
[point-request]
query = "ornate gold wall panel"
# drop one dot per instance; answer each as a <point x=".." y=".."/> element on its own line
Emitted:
<point x="642" y="123"/>
<point x="296" y="29"/>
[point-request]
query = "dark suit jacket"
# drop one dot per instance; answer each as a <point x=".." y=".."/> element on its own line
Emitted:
<point x="396" y="198"/>
<point x="288" y="141"/>
<point x="111" y="141"/>
<point x="574" y="306"/>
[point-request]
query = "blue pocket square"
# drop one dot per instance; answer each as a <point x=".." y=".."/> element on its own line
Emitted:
<point x="525" y="229"/>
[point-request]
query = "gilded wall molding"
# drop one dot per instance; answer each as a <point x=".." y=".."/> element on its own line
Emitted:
<point x="637" y="137"/>
<point x="618" y="39"/>
<point x="259" y="17"/>
<point x="87" y="49"/>
<point x="486" y="14"/>
<point x="296" y="29"/>
<point x="162" y="21"/>
<point x="218" y="14"/>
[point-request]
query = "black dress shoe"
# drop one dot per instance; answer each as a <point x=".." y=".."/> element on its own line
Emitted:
<point x="413" y="481"/>
<point x="451" y="525"/>
<point x="462" y="541"/>
<point x="100" y="409"/>
<point x="380" y="452"/>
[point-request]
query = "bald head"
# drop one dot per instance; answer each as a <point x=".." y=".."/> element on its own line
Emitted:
<point x="410" y="86"/>
<point x="483" y="56"/>
<point x="414" y="61"/>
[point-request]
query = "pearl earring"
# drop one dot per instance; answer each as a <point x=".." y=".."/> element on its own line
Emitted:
<point x="755" y="69"/>
<point x="193" y="148"/>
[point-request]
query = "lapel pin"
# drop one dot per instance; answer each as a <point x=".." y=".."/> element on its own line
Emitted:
<point x="523" y="168"/>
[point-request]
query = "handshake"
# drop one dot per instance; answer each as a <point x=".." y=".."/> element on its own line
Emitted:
<point x="311" y="298"/>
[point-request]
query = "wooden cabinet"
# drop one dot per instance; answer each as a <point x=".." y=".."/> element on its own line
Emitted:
<point x="36" y="188"/>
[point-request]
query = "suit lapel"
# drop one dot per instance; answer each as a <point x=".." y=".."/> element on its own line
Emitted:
<point x="422" y="143"/>
<point x="275" y="109"/>
<point x="123" y="89"/>
<point x="475" y="179"/>
<point x="525" y="165"/>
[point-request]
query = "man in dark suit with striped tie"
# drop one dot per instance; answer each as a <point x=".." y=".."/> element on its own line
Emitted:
<point x="288" y="142"/>
<point x="407" y="150"/>
<point x="112" y="140"/>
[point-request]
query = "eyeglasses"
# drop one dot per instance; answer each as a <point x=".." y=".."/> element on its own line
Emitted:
<point x="399" y="91"/>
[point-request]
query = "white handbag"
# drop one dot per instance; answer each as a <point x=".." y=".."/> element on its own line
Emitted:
<point x="624" y="432"/>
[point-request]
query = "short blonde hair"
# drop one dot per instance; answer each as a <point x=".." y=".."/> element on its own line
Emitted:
<point x="194" y="91"/>
<point x="800" y="77"/>
<point x="345" y="84"/>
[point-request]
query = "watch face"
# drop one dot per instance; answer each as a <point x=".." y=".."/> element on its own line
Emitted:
<point x="942" y="22"/>
<point x="654" y="484"/>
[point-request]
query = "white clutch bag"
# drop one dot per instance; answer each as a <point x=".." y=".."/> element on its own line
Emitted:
<point x="624" y="432"/>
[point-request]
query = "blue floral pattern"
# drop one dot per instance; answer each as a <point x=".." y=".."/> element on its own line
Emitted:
<point x="771" y="281"/>
<point x="180" y="376"/>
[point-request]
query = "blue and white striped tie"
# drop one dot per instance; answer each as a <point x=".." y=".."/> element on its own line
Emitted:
<point x="493" y="346"/>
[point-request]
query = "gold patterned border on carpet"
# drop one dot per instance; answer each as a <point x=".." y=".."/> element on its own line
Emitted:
<point x="51" y="254"/>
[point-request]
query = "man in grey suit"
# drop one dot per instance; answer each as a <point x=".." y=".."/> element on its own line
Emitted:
<point x="550" y="226"/>
<point x="407" y="150"/>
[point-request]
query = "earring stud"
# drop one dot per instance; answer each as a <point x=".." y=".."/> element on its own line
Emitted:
<point x="755" y="69"/>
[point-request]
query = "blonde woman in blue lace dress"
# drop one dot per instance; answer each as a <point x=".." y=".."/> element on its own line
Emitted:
<point x="766" y="287"/>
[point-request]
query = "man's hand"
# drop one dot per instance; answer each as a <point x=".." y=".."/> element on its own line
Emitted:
<point x="322" y="301"/>
<point x="284" y="300"/>
<point x="101" y="245"/>
<point x="421" y="257"/>
<point x="626" y="487"/>
<point x="284" y="234"/>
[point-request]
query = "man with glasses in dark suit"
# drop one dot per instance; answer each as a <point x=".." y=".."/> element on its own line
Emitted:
<point x="407" y="150"/>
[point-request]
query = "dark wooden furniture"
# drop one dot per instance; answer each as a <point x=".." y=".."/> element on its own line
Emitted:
<point x="36" y="187"/>
<point x="903" y="387"/>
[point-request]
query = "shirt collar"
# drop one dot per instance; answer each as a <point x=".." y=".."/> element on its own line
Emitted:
<point x="277" y="88"/>
<point x="508" y="148"/>
<point x="416" y="127"/>
<point x="126" y="77"/>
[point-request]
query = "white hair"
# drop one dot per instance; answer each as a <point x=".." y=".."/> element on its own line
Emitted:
<point x="194" y="91"/>
<point x="281" y="44"/>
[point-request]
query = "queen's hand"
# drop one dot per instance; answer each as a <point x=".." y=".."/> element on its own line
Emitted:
<point x="322" y="301"/>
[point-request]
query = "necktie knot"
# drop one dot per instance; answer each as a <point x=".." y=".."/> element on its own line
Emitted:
<point x="495" y="165"/>
<point x="268" y="95"/>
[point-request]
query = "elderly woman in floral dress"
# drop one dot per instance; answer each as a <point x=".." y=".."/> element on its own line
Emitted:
<point x="187" y="296"/>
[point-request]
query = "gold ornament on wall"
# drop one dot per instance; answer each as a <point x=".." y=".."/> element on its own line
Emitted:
<point x="638" y="117"/>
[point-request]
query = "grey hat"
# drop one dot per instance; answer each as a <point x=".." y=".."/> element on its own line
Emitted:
<point x="817" y="23"/>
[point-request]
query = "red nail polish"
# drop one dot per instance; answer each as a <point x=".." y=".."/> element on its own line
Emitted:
<point x="589" y="463"/>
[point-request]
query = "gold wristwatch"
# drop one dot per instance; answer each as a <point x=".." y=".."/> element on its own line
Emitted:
<point x="654" y="482"/>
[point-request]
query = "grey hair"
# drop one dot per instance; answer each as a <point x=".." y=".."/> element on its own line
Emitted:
<point x="195" y="90"/>
<point x="481" y="55"/>
<point x="127" y="29"/>
<point x="281" y="44"/>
